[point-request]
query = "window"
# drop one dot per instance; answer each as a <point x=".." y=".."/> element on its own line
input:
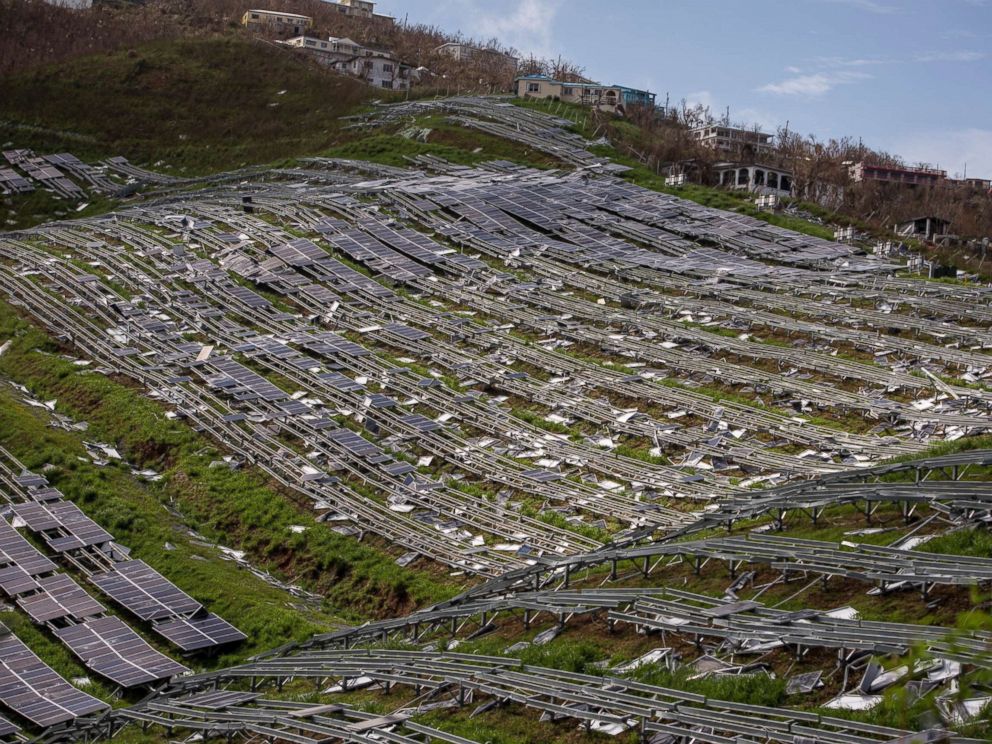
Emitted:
<point x="255" y="16"/>
<point x="566" y="91"/>
<point x="759" y="178"/>
<point x="387" y="68"/>
<point x="387" y="83"/>
<point x="742" y="177"/>
<point x="533" y="87"/>
<point x="785" y="184"/>
<point x="772" y="180"/>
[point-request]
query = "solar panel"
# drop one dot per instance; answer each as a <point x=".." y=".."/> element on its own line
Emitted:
<point x="110" y="648"/>
<point x="340" y="382"/>
<point x="14" y="549"/>
<point x="60" y="597"/>
<point x="398" y="468"/>
<point x="144" y="591"/>
<point x="248" y="297"/>
<point x="65" y="516"/>
<point x="15" y="580"/>
<point x="199" y="633"/>
<point x="7" y="728"/>
<point x="542" y="476"/>
<point x="238" y="379"/>
<point x="421" y="423"/>
<point x="410" y="334"/>
<point x="33" y="690"/>
<point x="353" y="443"/>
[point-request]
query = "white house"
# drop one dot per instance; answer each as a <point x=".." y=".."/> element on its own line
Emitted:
<point x="759" y="179"/>
<point x="376" y="67"/>
<point x="734" y="140"/>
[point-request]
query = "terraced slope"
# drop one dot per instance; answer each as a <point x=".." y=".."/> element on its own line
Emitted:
<point x="650" y="438"/>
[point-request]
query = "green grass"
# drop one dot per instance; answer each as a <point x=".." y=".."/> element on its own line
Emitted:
<point x="753" y="689"/>
<point x="197" y="105"/>
<point x="133" y="513"/>
<point x="456" y="144"/>
<point x="974" y="541"/>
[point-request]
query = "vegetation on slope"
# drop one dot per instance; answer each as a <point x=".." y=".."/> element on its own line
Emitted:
<point x="185" y="107"/>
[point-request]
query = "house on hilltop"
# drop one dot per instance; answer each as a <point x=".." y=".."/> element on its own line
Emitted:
<point x="377" y="67"/>
<point x="358" y="9"/>
<point x="276" y="22"/>
<point x="745" y="143"/>
<point x="461" y="52"/>
<point x="756" y="178"/>
<point x="612" y="98"/>
<point x="907" y="176"/>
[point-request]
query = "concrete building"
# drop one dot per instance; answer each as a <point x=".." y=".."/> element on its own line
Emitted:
<point x="741" y="142"/>
<point x="464" y="52"/>
<point x="980" y="184"/>
<point x="759" y="179"/>
<point x="862" y="172"/>
<point x="376" y="67"/>
<point x="613" y="98"/>
<point x="358" y="9"/>
<point x="926" y="228"/>
<point x="276" y="21"/>
<point x="340" y="48"/>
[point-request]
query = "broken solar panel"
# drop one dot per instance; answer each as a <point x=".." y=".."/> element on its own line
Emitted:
<point x="34" y="691"/>
<point x="60" y="597"/>
<point x="330" y="344"/>
<point x="144" y="591"/>
<point x="193" y="634"/>
<point x="219" y="699"/>
<point x="28" y="479"/>
<point x="111" y="649"/>
<point x="300" y="252"/>
<point x="13" y="182"/>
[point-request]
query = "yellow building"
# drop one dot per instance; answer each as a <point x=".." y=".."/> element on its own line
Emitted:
<point x="276" y="21"/>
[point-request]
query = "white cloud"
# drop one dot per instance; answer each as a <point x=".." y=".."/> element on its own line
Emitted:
<point x="703" y="97"/>
<point x="812" y="85"/>
<point x="835" y="62"/>
<point x="528" y="26"/>
<point x="961" y="55"/>
<point x="950" y="150"/>
<point x="869" y="6"/>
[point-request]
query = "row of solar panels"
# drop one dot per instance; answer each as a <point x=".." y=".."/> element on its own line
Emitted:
<point x="132" y="584"/>
<point x="102" y="642"/>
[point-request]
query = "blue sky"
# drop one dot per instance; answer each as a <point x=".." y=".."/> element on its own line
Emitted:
<point x="913" y="77"/>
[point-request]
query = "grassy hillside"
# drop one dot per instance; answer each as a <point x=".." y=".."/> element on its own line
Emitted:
<point x="196" y="105"/>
